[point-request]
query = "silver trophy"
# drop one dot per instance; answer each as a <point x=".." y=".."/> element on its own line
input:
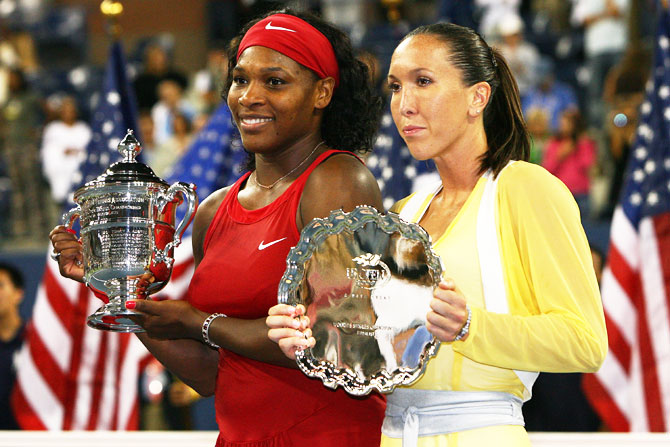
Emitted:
<point x="128" y="235"/>
<point x="366" y="281"/>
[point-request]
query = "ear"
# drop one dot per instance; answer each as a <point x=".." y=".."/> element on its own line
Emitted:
<point x="324" y="92"/>
<point x="480" y="94"/>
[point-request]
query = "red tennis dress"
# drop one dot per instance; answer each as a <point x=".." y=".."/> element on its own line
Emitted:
<point x="259" y="404"/>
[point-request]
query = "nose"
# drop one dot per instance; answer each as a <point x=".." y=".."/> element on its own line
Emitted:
<point x="407" y="105"/>
<point x="251" y="95"/>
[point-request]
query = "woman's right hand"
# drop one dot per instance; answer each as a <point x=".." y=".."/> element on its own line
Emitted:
<point x="289" y="328"/>
<point x="68" y="251"/>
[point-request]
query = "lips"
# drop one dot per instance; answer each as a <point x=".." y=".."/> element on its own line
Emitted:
<point x="411" y="130"/>
<point x="254" y="122"/>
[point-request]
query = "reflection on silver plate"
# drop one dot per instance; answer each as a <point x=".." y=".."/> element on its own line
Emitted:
<point x="366" y="280"/>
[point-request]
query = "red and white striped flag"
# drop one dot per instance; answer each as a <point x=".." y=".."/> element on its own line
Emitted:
<point x="71" y="377"/>
<point x="631" y="392"/>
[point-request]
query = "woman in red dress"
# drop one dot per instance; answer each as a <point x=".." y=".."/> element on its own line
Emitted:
<point x="296" y="93"/>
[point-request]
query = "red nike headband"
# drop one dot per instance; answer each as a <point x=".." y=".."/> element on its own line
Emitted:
<point x="294" y="38"/>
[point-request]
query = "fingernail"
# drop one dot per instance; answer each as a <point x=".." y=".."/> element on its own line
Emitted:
<point x="299" y="334"/>
<point x="130" y="304"/>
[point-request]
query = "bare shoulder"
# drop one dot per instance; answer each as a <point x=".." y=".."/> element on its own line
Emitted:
<point x="340" y="182"/>
<point x="203" y="219"/>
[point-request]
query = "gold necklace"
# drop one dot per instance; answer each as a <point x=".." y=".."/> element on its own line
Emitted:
<point x="289" y="172"/>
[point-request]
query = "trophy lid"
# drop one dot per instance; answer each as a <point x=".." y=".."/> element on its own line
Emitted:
<point x="127" y="170"/>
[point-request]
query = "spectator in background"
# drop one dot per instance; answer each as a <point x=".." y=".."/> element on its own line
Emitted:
<point x="492" y="12"/>
<point x="458" y="12"/>
<point x="156" y="69"/>
<point x="146" y="125"/>
<point x="20" y="121"/>
<point x="205" y="89"/>
<point x="17" y="50"/>
<point x="11" y="337"/>
<point x="170" y="151"/>
<point x="549" y="96"/>
<point x="8" y="58"/>
<point x="623" y="93"/>
<point x="171" y="102"/>
<point x="605" y="39"/>
<point x="5" y="203"/>
<point x="157" y="409"/>
<point x="555" y="12"/>
<point x="370" y="59"/>
<point x="570" y="155"/>
<point x="64" y="148"/>
<point x="537" y="123"/>
<point x="522" y="56"/>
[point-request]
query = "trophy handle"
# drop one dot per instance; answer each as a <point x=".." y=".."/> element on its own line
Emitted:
<point x="188" y="192"/>
<point x="71" y="216"/>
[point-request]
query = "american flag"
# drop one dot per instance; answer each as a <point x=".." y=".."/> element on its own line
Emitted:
<point x="397" y="172"/>
<point x="71" y="377"/>
<point x="631" y="392"/>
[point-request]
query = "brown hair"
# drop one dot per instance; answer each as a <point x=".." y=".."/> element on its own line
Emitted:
<point x="506" y="133"/>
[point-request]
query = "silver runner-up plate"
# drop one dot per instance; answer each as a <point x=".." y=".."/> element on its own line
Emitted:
<point x="366" y="281"/>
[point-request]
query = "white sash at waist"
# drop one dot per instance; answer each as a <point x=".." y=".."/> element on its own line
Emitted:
<point x="411" y="413"/>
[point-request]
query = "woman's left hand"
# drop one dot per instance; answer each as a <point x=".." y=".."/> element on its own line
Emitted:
<point x="448" y="312"/>
<point x="168" y="319"/>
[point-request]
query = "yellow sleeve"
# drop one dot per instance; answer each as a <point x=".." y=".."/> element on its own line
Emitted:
<point x="556" y="321"/>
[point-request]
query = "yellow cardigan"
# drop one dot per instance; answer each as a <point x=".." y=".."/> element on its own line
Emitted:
<point x="555" y="321"/>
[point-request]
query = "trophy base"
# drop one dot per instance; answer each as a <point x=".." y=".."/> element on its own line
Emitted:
<point x="114" y="318"/>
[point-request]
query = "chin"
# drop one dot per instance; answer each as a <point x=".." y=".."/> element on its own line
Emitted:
<point x="420" y="154"/>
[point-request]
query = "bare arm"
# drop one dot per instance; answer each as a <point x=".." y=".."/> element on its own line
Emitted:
<point x="341" y="182"/>
<point x="192" y="361"/>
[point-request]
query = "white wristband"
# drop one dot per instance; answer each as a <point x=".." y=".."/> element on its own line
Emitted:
<point x="205" y="329"/>
<point x="466" y="327"/>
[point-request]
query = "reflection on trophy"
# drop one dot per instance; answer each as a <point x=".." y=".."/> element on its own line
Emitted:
<point x="128" y="234"/>
<point x="366" y="281"/>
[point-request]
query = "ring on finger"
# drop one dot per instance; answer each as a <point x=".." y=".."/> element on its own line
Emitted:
<point x="54" y="255"/>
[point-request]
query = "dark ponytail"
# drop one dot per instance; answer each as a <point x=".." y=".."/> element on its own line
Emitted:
<point x="505" y="128"/>
<point x="504" y="124"/>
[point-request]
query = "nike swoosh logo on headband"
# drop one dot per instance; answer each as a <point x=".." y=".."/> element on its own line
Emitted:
<point x="278" y="28"/>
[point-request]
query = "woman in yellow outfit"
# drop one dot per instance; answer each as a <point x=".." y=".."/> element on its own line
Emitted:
<point x="519" y="294"/>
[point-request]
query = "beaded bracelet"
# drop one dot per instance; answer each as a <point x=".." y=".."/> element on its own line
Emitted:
<point x="466" y="327"/>
<point x="205" y="329"/>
